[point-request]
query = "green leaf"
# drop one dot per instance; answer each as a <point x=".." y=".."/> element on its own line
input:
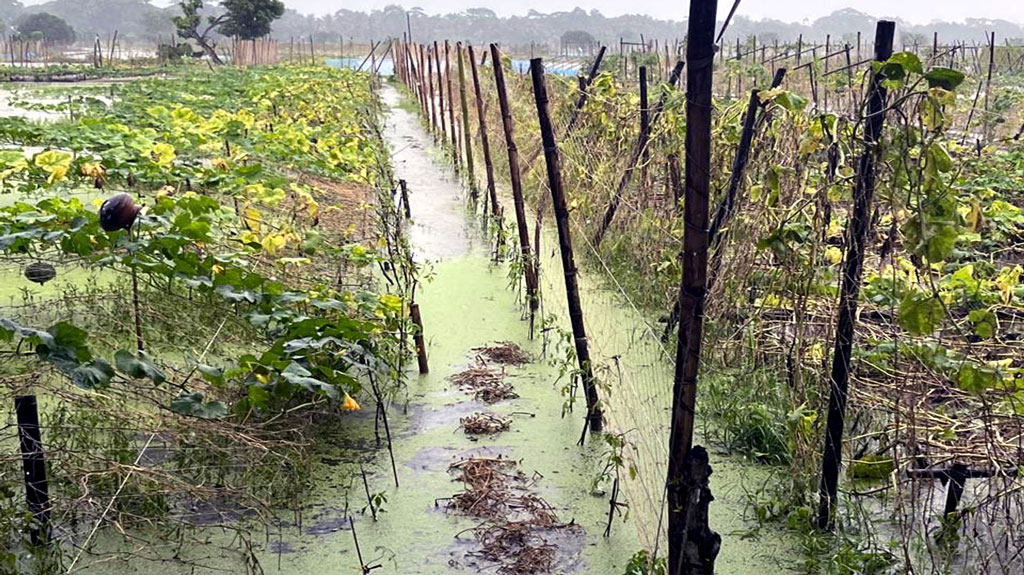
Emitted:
<point x="791" y="101"/>
<point x="984" y="322"/>
<point x="908" y="61"/>
<point x="94" y="375"/>
<point x="871" y="467"/>
<point x="259" y="397"/>
<point x="192" y="404"/>
<point x="300" y="376"/>
<point x="211" y="374"/>
<point x="945" y="78"/>
<point x="920" y="313"/>
<point x="141" y="367"/>
<point x="938" y="154"/>
<point x="975" y="379"/>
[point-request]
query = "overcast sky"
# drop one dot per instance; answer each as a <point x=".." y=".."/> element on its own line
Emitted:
<point x="915" y="11"/>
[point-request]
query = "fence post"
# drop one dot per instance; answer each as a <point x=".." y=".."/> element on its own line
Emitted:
<point x="484" y="143"/>
<point x="693" y="546"/>
<point x="440" y="92"/>
<point x="645" y="127"/>
<point x="467" y="135"/>
<point x="529" y="264"/>
<point x="540" y="91"/>
<point x="430" y="94"/>
<point x="421" y="346"/>
<point x="863" y="193"/>
<point x="33" y="463"/>
<point x="456" y="153"/>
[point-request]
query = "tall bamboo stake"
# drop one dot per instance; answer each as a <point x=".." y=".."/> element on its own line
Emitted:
<point x="440" y="92"/>
<point x="451" y="107"/>
<point x="529" y="263"/>
<point x="484" y="143"/>
<point x="692" y="545"/>
<point x="594" y="420"/>
<point x="863" y="193"/>
<point x="467" y="140"/>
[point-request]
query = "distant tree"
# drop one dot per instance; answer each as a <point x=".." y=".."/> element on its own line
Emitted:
<point x="47" y="27"/>
<point x="577" y="40"/>
<point x="248" y="19"/>
<point x="190" y="21"/>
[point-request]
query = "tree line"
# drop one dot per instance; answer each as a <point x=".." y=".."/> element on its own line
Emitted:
<point x="140" y="21"/>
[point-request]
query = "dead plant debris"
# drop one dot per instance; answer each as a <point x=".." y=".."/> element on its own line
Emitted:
<point x="486" y="383"/>
<point x="484" y="424"/>
<point x="516" y="519"/>
<point x="504" y="352"/>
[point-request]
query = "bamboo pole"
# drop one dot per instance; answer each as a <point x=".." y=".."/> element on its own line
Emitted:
<point x="529" y="263"/>
<point x="456" y="153"/>
<point x="440" y="91"/>
<point x="863" y="193"/>
<point x="467" y="139"/>
<point x="594" y="420"/>
<point x="430" y="94"/>
<point x="484" y="143"/>
<point x="693" y="547"/>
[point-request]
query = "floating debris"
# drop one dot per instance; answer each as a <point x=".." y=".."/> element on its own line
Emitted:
<point x="504" y="352"/>
<point x="486" y="383"/>
<point x="484" y="424"/>
<point x="516" y="519"/>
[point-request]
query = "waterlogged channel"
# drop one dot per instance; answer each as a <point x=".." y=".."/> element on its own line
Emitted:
<point x="466" y="303"/>
<point x="630" y="358"/>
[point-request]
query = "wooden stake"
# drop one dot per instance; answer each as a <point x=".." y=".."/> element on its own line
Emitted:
<point x="594" y="420"/>
<point x="863" y="193"/>
<point x="484" y="143"/>
<point x="440" y="92"/>
<point x="33" y="462"/>
<point x="421" y="347"/>
<point x="693" y="546"/>
<point x="456" y="154"/>
<point x="467" y="140"/>
<point x="529" y="263"/>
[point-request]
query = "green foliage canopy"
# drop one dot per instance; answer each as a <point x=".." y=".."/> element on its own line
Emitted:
<point x="47" y="27"/>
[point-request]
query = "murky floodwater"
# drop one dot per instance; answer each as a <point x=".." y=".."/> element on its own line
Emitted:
<point x="467" y="304"/>
<point x="629" y="356"/>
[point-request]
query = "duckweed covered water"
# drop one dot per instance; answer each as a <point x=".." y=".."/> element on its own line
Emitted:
<point x="467" y="303"/>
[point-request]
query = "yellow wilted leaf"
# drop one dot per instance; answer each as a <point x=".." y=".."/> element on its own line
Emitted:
<point x="833" y="254"/>
<point x="253" y="219"/>
<point x="976" y="217"/>
<point x="54" y="163"/>
<point x="392" y="302"/>
<point x="1007" y="280"/>
<point x="163" y="154"/>
<point x="273" y="242"/>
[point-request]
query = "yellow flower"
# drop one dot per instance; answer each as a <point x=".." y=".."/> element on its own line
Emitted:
<point x="93" y="169"/>
<point x="349" y="404"/>
<point x="261" y="378"/>
<point x="217" y="269"/>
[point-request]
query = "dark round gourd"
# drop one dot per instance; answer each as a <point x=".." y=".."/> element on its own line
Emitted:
<point x="118" y="212"/>
<point x="40" y="272"/>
